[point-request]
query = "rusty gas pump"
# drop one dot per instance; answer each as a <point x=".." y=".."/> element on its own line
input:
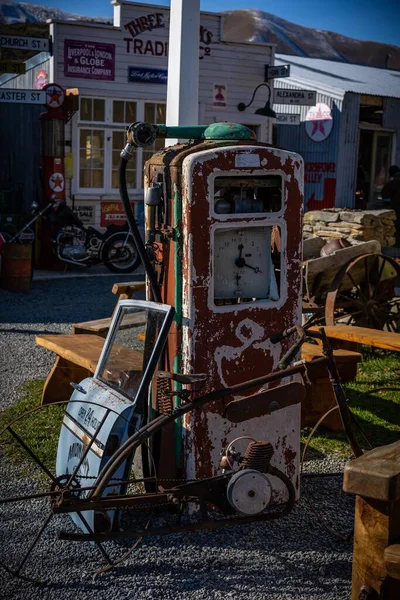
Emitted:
<point x="52" y="121"/>
<point x="223" y="226"/>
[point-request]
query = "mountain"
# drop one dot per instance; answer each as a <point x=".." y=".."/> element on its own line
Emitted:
<point x="258" y="26"/>
<point x="240" y="25"/>
<point x="12" y="13"/>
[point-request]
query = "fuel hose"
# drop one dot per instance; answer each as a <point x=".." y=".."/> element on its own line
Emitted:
<point x="137" y="238"/>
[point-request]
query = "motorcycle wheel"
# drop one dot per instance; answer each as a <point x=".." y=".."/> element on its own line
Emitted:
<point x="120" y="254"/>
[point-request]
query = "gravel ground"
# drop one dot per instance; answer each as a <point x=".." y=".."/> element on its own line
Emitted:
<point x="292" y="558"/>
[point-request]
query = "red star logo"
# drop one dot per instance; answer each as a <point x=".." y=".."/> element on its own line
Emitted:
<point x="58" y="181"/>
<point x="319" y="126"/>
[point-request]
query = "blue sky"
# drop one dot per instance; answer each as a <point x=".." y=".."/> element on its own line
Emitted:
<point x="362" y="19"/>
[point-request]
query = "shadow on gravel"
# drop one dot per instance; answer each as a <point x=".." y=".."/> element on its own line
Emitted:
<point x="63" y="301"/>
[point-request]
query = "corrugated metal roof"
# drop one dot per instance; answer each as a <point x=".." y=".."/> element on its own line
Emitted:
<point x="342" y="77"/>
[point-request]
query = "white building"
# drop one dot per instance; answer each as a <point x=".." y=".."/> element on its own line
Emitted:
<point x="121" y="73"/>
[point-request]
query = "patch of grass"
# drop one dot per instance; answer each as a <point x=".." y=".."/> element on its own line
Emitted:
<point x="377" y="412"/>
<point x="39" y="430"/>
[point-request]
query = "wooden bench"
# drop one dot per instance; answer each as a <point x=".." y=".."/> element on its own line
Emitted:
<point x="78" y="355"/>
<point x="353" y="336"/>
<point x="100" y="327"/>
<point x="375" y="480"/>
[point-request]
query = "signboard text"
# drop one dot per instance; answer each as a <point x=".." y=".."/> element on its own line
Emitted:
<point x="22" y="96"/>
<point x="298" y="97"/>
<point x="20" y="42"/>
<point x="89" y="60"/>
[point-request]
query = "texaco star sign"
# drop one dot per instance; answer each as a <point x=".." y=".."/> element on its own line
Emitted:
<point x="319" y="122"/>
<point x="56" y="182"/>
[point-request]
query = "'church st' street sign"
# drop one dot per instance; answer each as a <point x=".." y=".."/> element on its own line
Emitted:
<point x="19" y="42"/>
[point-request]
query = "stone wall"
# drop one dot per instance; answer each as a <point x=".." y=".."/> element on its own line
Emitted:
<point x="354" y="225"/>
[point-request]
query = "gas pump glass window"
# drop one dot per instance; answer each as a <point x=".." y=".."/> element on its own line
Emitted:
<point x="134" y="346"/>
<point x="248" y="194"/>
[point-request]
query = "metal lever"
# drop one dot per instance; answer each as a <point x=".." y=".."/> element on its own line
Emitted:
<point x="78" y="387"/>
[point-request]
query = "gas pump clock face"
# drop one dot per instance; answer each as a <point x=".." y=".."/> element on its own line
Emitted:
<point x="242" y="264"/>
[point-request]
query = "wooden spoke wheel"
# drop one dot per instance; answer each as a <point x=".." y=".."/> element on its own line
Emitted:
<point x="363" y="294"/>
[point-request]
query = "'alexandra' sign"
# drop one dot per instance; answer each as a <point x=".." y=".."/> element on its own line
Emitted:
<point x="90" y="60"/>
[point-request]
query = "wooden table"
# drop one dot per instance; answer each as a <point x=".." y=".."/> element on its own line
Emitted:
<point x="77" y="358"/>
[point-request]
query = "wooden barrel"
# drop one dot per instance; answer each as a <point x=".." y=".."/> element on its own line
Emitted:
<point x="16" y="267"/>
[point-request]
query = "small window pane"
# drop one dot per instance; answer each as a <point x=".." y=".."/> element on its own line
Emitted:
<point x="98" y="139"/>
<point x="130" y="112"/>
<point x="98" y="109"/>
<point x="149" y="113"/>
<point x="161" y="113"/>
<point x="114" y="180"/>
<point x="84" y="178"/>
<point x="118" y="111"/>
<point x="118" y="140"/>
<point x="97" y="159"/>
<point x="86" y="109"/>
<point x="85" y="137"/>
<point x="97" y="178"/>
<point x="131" y="179"/>
<point x="84" y="159"/>
<point x="115" y="160"/>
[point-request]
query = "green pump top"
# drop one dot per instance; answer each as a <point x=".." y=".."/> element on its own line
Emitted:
<point x="144" y="134"/>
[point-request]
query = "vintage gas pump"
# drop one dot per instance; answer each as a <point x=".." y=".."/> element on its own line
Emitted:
<point x="52" y="164"/>
<point x="223" y="221"/>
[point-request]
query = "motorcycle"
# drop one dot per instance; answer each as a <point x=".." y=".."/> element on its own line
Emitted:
<point x="84" y="246"/>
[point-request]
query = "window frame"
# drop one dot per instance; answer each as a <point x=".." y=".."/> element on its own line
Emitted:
<point x="108" y="127"/>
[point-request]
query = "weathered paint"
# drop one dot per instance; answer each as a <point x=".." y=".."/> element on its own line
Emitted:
<point x="230" y="343"/>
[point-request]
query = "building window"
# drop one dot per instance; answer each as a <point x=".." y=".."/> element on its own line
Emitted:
<point x="102" y="135"/>
<point x="92" y="109"/>
<point x="124" y="112"/>
<point x="91" y="158"/>
<point x="156" y="114"/>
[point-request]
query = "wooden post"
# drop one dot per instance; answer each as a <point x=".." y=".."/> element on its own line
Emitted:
<point x="183" y="64"/>
<point x="375" y="479"/>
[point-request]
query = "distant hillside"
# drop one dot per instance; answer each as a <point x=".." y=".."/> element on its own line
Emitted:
<point x="258" y="26"/>
<point x="239" y="25"/>
<point x="22" y="12"/>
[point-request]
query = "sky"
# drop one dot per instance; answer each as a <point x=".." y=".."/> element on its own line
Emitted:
<point x="371" y="20"/>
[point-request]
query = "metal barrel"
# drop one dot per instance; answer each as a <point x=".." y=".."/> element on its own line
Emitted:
<point x="16" y="267"/>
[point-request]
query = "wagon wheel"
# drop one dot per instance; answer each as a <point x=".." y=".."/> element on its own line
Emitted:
<point x="363" y="293"/>
<point x="26" y="514"/>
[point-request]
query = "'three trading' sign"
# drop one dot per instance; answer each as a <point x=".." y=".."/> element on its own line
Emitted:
<point x="298" y="97"/>
<point x="19" y="42"/>
<point x="152" y="47"/>
<point x="22" y="96"/>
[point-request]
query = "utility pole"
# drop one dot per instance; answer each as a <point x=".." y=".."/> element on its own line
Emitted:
<point x="183" y="64"/>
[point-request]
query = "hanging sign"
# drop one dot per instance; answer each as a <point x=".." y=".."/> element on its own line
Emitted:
<point x="12" y="66"/>
<point x="298" y="97"/>
<point x="220" y="91"/>
<point x="276" y="72"/>
<point x="147" y="75"/>
<point x="287" y="119"/>
<point x="22" y="96"/>
<point x="19" y="42"/>
<point x="319" y="122"/>
<point x="54" y="95"/>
